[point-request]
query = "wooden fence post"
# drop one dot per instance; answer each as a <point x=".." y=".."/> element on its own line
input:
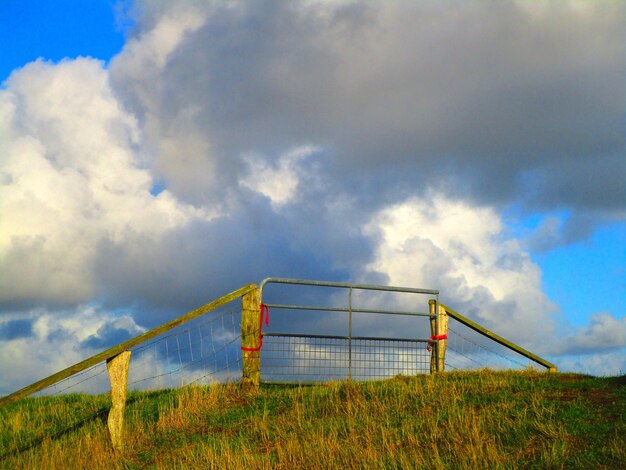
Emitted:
<point x="438" y="327"/>
<point x="442" y="343"/>
<point x="251" y="337"/>
<point x="118" y="375"/>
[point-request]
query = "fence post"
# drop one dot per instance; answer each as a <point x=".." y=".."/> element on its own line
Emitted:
<point x="117" y="367"/>
<point x="250" y="337"/>
<point x="438" y="327"/>
<point x="442" y="323"/>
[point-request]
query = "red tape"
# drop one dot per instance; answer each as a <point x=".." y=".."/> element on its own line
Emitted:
<point x="435" y="338"/>
<point x="265" y="311"/>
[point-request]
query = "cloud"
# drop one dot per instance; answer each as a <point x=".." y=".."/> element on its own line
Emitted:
<point x="463" y="251"/>
<point x="279" y="182"/>
<point x="82" y="223"/>
<point x="110" y="334"/>
<point x="344" y="141"/>
<point x="43" y="342"/>
<point x="73" y="179"/>
<point x="603" y="333"/>
<point x="498" y="103"/>
<point x="601" y="364"/>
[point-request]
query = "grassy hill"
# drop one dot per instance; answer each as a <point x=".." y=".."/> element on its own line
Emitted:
<point x="454" y="420"/>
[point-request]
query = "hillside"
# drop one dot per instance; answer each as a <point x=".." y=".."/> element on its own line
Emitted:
<point x="455" y="420"/>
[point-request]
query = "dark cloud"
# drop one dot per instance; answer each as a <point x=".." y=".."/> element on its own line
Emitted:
<point x="495" y="102"/>
<point x="193" y="265"/>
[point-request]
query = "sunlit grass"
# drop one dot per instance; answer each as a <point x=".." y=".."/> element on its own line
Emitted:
<point x="454" y="420"/>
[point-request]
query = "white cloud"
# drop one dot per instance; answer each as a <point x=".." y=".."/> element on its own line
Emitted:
<point x="278" y="182"/>
<point x="72" y="178"/>
<point x="603" y="333"/>
<point x="58" y="341"/>
<point x="608" y="364"/>
<point x="462" y="251"/>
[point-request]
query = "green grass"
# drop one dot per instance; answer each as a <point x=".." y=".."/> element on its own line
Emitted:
<point x="454" y="420"/>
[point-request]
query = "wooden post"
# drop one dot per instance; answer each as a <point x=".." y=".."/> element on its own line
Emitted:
<point x="438" y="327"/>
<point x="442" y="325"/>
<point x="118" y="374"/>
<point x="251" y="337"/>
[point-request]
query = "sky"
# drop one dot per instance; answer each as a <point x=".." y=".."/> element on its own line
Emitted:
<point x="155" y="155"/>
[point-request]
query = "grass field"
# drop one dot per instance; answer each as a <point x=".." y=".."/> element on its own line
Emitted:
<point x="454" y="420"/>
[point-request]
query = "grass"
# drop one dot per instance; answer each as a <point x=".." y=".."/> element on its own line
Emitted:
<point x="454" y="420"/>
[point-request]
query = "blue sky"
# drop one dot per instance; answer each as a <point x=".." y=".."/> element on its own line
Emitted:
<point x="585" y="276"/>
<point x="326" y="144"/>
<point x="588" y="276"/>
<point x="56" y="30"/>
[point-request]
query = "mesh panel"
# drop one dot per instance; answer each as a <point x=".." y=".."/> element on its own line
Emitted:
<point x="312" y="358"/>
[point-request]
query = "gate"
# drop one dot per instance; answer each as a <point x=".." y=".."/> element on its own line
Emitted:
<point x="362" y="337"/>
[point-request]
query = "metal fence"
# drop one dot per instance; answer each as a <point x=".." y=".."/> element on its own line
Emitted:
<point x="341" y="352"/>
<point x="315" y="358"/>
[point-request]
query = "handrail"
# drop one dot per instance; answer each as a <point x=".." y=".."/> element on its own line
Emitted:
<point x="115" y="350"/>
<point x="499" y="339"/>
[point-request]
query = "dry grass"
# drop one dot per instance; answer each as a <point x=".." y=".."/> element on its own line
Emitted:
<point x="457" y="420"/>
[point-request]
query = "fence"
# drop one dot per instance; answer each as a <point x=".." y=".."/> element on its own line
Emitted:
<point x="471" y="346"/>
<point x="189" y="349"/>
<point x="437" y="340"/>
<point x="319" y="331"/>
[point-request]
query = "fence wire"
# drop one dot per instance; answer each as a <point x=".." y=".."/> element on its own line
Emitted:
<point x="470" y="350"/>
<point x="203" y="351"/>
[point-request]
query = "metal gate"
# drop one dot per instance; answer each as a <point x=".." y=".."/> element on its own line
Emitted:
<point x="294" y="356"/>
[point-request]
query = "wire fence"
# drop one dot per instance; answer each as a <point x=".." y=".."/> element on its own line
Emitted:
<point x="208" y="350"/>
<point x="346" y="332"/>
<point x="318" y="358"/>
<point x="203" y="351"/>
<point x="470" y="350"/>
